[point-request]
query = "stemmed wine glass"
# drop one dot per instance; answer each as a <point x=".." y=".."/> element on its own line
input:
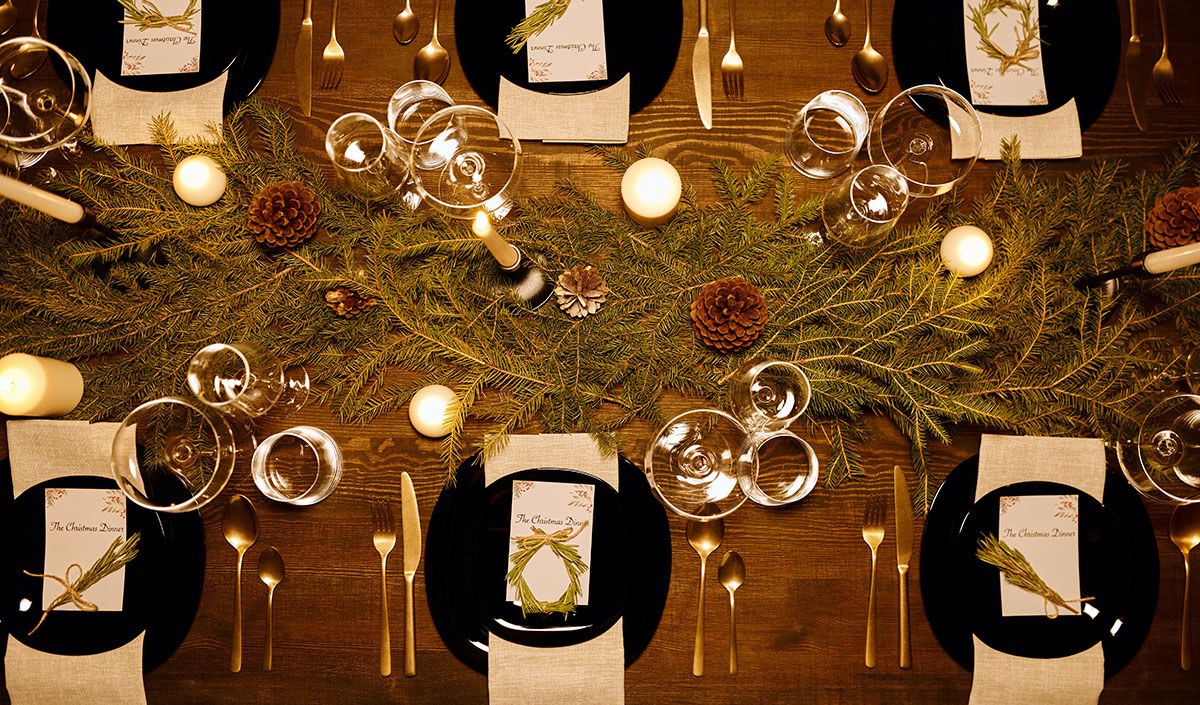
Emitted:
<point x="410" y="106"/>
<point x="1161" y="456"/>
<point x="45" y="98"/>
<point x="864" y="207"/>
<point x="695" y="461"/>
<point x="245" y="380"/>
<point x="465" y="161"/>
<point x="368" y="157"/>
<point x="930" y="134"/>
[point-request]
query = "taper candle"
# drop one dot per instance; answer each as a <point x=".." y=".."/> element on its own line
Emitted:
<point x="427" y="410"/>
<point x="505" y="254"/>
<point x="1173" y="258"/>
<point x="198" y="180"/>
<point x="650" y="190"/>
<point x="38" y="386"/>
<point x="51" y="204"/>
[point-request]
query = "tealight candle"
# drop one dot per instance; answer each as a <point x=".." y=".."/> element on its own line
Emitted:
<point x="505" y="253"/>
<point x="198" y="180"/>
<point x="967" y="250"/>
<point x="427" y="410"/>
<point x="650" y="190"/>
<point x="38" y="386"/>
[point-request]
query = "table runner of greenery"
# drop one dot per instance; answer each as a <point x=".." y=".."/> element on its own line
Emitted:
<point x="887" y="331"/>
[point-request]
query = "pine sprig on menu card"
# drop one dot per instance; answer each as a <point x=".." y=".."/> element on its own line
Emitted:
<point x="1018" y="572"/>
<point x="118" y="555"/>
<point x="537" y="22"/>
<point x="1027" y="35"/>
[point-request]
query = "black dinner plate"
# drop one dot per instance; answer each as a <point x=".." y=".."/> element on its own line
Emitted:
<point x="238" y="36"/>
<point x="162" y="584"/>
<point x="1118" y="567"/>
<point x="467" y="553"/>
<point x="641" y="39"/>
<point x="1081" y="50"/>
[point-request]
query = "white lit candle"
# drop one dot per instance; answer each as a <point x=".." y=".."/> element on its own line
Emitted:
<point x="650" y="190"/>
<point x="38" y="386"/>
<point x="967" y="250"/>
<point x="51" y="204"/>
<point x="505" y="254"/>
<point x="1174" y="258"/>
<point x="199" y="181"/>
<point x="427" y="410"/>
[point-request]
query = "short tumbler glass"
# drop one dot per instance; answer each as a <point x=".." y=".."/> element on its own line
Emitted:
<point x="300" y="466"/>
<point x="825" y="136"/>
<point x="862" y="209"/>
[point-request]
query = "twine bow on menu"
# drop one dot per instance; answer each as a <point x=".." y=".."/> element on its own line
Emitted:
<point x="116" y="557"/>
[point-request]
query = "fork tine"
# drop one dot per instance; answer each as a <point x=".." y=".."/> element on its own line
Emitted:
<point x="740" y="87"/>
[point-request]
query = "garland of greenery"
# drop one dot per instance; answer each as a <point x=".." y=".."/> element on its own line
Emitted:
<point x="1027" y="36"/>
<point x="568" y="553"/>
<point x="886" y="332"/>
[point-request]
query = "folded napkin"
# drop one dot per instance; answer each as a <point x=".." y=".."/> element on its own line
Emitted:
<point x="1004" y="679"/>
<point x="591" y="673"/>
<point x="40" y="450"/>
<point x="600" y="117"/>
<point x="1052" y="135"/>
<point x="122" y="116"/>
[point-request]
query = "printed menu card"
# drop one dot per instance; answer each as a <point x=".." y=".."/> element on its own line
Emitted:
<point x="160" y="37"/>
<point x="81" y="524"/>
<point x="563" y="511"/>
<point x="1045" y="529"/>
<point x="1004" y="52"/>
<point x="571" y="49"/>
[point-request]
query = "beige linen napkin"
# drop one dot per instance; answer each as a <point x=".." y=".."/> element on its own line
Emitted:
<point x="122" y="116"/>
<point x="591" y="673"/>
<point x="1004" y="679"/>
<point x="1053" y="135"/>
<point x="40" y="450"/>
<point x="600" y="117"/>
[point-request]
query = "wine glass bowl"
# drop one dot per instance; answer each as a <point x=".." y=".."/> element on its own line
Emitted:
<point x="369" y="158"/>
<point x="695" y="461"/>
<point x="768" y="395"/>
<point x="45" y="96"/>
<point x="244" y="380"/>
<point x="864" y="207"/>
<point x="478" y="162"/>
<point x="930" y="134"/>
<point x="1161" y="459"/>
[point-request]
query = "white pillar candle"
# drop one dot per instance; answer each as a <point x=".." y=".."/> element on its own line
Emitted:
<point x="198" y="180"/>
<point x="1174" y="258"/>
<point x="427" y="410"/>
<point x="51" y="204"/>
<point x="38" y="386"/>
<point x="505" y="254"/>
<point x="650" y="190"/>
<point x="967" y="250"/>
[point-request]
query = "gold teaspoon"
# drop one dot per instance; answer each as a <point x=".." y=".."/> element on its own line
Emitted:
<point x="240" y="526"/>
<point x="270" y="571"/>
<point x="837" y="26"/>
<point x="8" y="16"/>
<point x="732" y="574"/>
<point x="433" y="61"/>
<point x="869" y="67"/>
<point x="704" y="536"/>
<point x="1185" y="534"/>
<point x="406" y="24"/>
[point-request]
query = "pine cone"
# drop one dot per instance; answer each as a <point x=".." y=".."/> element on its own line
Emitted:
<point x="729" y="314"/>
<point x="580" y="291"/>
<point x="284" y="214"/>
<point x="1175" y="219"/>
<point x="348" y="303"/>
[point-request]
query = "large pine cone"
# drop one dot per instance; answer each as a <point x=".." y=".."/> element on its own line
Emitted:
<point x="1175" y="219"/>
<point x="348" y="303"/>
<point x="284" y="214"/>
<point x="729" y="314"/>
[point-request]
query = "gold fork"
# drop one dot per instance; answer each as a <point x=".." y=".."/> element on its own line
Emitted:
<point x="731" y="65"/>
<point x="1164" y="73"/>
<point x="873" y="516"/>
<point x="385" y="541"/>
<point x="333" y="57"/>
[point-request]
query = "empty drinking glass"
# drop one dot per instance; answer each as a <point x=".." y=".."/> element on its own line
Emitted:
<point x="695" y="461"/>
<point x="930" y="134"/>
<point x="481" y="161"/>
<point x="825" y="136"/>
<point x="411" y="105"/>
<point x="245" y="380"/>
<point x="862" y="209"/>
<point x="300" y="466"/>
<point x="368" y="157"/>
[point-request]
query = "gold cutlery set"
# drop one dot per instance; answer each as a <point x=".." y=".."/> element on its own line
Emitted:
<point x="705" y="537"/>
<point x="873" y="532"/>
<point x="732" y="68"/>
<point x="384" y="539"/>
<point x="240" y="526"/>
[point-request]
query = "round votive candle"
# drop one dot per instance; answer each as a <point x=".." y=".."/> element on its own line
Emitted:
<point x="198" y="180"/>
<point x="38" y="386"/>
<point x="650" y="191"/>
<point x="427" y="410"/>
<point x="967" y="250"/>
<point x="506" y="255"/>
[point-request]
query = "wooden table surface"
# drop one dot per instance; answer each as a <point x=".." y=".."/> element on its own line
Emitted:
<point x="803" y="606"/>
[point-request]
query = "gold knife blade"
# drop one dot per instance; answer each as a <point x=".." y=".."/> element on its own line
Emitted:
<point x="412" y="558"/>
<point x="304" y="61"/>
<point x="904" y="546"/>
<point x="702" y="70"/>
<point x="1135" y="71"/>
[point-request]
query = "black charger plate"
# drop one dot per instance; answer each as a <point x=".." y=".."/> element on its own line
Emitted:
<point x="1081" y="50"/>
<point x="235" y="36"/>
<point x="162" y="584"/>
<point x="467" y="552"/>
<point x="1118" y="566"/>
<point x="641" y="39"/>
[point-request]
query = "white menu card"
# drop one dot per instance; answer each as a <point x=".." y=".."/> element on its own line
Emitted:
<point x="163" y="38"/>
<point x="551" y="507"/>
<point x="571" y="49"/>
<point x="1045" y="529"/>
<point x="1004" y="52"/>
<point x="81" y="524"/>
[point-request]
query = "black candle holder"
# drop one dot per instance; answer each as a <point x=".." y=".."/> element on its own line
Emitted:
<point x="527" y="281"/>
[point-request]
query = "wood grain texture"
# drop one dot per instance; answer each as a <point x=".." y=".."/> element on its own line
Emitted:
<point x="803" y="607"/>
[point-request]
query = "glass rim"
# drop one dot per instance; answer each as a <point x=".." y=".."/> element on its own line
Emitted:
<point x="1167" y="495"/>
<point x="903" y="181"/>
<point x="939" y="91"/>
<point x="439" y="93"/>
<point x="489" y="205"/>
<point x="649" y="465"/>
<point x="301" y="433"/>
<point x="810" y="478"/>
<point x="78" y="72"/>
<point x="212" y="349"/>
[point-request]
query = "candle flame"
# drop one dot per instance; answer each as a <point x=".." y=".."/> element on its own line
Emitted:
<point x="481" y="222"/>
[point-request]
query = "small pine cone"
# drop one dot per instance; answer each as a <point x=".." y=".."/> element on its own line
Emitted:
<point x="348" y="303"/>
<point x="729" y="314"/>
<point x="1175" y="219"/>
<point x="284" y="214"/>
<point x="580" y="291"/>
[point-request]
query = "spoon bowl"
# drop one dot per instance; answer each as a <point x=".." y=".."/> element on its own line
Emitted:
<point x="433" y="61"/>
<point x="704" y="537"/>
<point x="406" y="24"/>
<point x="732" y="574"/>
<point x="1185" y="534"/>
<point x="869" y="67"/>
<point x="837" y="26"/>
<point x="240" y="526"/>
<point x="32" y="56"/>
<point x="8" y="16"/>
<point x="270" y="571"/>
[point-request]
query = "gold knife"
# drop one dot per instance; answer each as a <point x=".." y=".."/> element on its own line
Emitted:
<point x="701" y="70"/>
<point x="1135" y="71"/>
<point x="304" y="61"/>
<point x="904" y="543"/>
<point x="412" y="558"/>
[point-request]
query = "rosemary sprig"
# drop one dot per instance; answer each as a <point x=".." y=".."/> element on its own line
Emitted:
<point x="152" y="18"/>
<point x="527" y="546"/>
<point x="1027" y="40"/>
<point x="1017" y="571"/>
<point x="116" y="557"/>
<point x="537" y="22"/>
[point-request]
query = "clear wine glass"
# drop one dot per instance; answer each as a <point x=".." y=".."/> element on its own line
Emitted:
<point x="930" y="134"/>
<point x="45" y="98"/>
<point x="695" y="461"/>
<point x="173" y="455"/>
<point x="369" y="158"/>
<point x="864" y="207"/>
<point x="245" y="380"/>
<point x="478" y="161"/>
<point x="1161" y="456"/>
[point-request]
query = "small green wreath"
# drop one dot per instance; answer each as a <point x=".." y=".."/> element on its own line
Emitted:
<point x="1027" y="33"/>
<point x="527" y="546"/>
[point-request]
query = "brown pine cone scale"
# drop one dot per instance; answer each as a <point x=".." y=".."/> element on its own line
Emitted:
<point x="284" y="214"/>
<point x="348" y="303"/>
<point x="1175" y="219"/>
<point x="729" y="314"/>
